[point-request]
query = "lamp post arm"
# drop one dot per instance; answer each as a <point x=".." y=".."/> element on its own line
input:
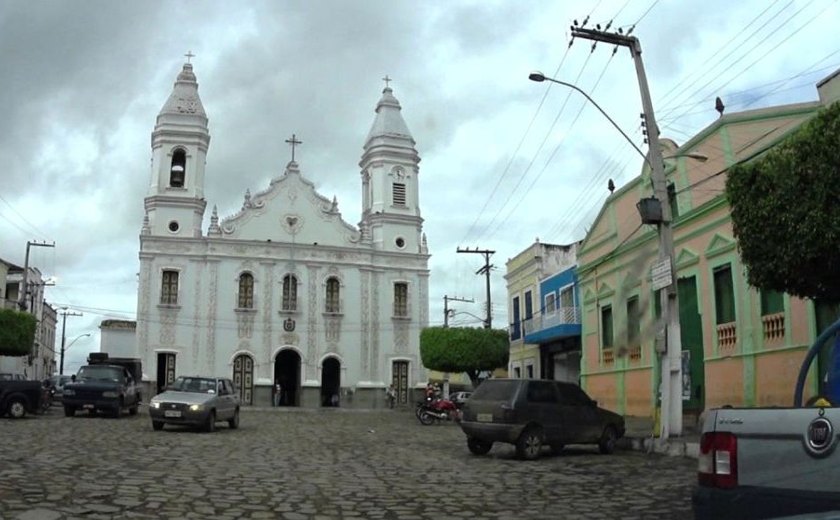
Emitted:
<point x="573" y="87"/>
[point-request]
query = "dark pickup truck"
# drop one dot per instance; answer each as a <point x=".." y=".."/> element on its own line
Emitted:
<point x="19" y="397"/>
<point x="105" y="384"/>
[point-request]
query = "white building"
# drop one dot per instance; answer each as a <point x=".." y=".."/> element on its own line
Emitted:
<point x="285" y="290"/>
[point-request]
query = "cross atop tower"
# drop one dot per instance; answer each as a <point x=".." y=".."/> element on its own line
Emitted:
<point x="293" y="141"/>
<point x="189" y="55"/>
<point x="387" y="80"/>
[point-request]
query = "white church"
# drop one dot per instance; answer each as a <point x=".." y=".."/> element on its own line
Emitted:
<point x="285" y="291"/>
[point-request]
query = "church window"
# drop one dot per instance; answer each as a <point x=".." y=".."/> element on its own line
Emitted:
<point x="169" y="288"/>
<point x="290" y="292"/>
<point x="400" y="241"/>
<point x="246" y="291"/>
<point x="333" y="302"/>
<point x="401" y="299"/>
<point x="178" y="170"/>
<point x="173" y="226"/>
<point x="399" y="194"/>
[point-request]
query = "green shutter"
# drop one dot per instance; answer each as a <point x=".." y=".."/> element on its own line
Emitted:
<point x="724" y="294"/>
<point x="606" y="327"/>
<point x="772" y="302"/>
<point x="633" y="319"/>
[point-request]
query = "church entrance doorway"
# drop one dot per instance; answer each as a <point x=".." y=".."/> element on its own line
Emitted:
<point x="287" y="372"/>
<point x="165" y="370"/>
<point x="243" y="378"/>
<point x="400" y="380"/>
<point x="330" y="382"/>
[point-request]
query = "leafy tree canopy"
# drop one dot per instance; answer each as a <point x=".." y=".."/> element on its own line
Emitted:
<point x="464" y="349"/>
<point x="786" y="211"/>
<point x="17" y="332"/>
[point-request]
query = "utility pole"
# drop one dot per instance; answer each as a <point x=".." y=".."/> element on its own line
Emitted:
<point x="24" y="289"/>
<point x="64" y="315"/>
<point x="671" y="364"/>
<point x="488" y="323"/>
<point x="446" y="309"/>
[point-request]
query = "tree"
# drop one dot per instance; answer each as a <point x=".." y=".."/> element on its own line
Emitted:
<point x="17" y="332"/>
<point x="786" y="211"/>
<point x="464" y="349"/>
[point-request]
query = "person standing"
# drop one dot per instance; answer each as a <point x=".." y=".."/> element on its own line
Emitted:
<point x="278" y="392"/>
<point x="391" y="395"/>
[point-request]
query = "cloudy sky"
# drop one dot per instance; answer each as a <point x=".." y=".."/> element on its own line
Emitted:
<point x="82" y="83"/>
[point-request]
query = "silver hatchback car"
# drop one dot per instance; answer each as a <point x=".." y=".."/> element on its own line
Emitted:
<point x="196" y="401"/>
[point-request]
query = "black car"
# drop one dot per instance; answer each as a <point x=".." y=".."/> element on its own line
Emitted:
<point x="531" y="413"/>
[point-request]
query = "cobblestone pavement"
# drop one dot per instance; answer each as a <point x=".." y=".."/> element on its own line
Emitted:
<point x="315" y="464"/>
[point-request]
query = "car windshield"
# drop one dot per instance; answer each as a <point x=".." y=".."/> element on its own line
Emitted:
<point x="495" y="390"/>
<point x="95" y="373"/>
<point x="201" y="385"/>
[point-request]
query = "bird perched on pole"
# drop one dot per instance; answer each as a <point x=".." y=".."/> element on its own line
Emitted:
<point x="719" y="106"/>
<point x="611" y="186"/>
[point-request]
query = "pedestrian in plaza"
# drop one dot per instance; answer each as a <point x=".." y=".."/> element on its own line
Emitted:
<point x="391" y="395"/>
<point x="278" y="392"/>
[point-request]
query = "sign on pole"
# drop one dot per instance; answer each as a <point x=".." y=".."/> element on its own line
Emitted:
<point x="661" y="274"/>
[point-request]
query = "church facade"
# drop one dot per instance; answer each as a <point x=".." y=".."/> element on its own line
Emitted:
<point x="285" y="293"/>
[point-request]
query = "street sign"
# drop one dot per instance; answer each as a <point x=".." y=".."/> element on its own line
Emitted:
<point x="661" y="274"/>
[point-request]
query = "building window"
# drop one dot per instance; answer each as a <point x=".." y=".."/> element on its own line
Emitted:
<point x="332" y="302"/>
<point x="401" y="299"/>
<point x="550" y="303"/>
<point x="169" y="288"/>
<point x="634" y="319"/>
<point x="177" y="171"/>
<point x="517" y="372"/>
<point x="672" y="201"/>
<point x="515" y="333"/>
<point x="399" y="194"/>
<point x="772" y="302"/>
<point x="606" y="327"/>
<point x="246" y="291"/>
<point x="529" y="371"/>
<point x="290" y="292"/>
<point x="529" y="306"/>
<point x="567" y="298"/>
<point x="724" y="294"/>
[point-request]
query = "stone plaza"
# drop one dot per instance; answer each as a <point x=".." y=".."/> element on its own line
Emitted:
<point x="330" y="463"/>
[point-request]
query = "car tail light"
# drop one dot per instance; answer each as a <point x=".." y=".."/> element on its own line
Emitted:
<point x="717" y="465"/>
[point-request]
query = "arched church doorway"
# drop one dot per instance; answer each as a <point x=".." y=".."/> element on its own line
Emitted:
<point x="165" y="370"/>
<point x="330" y="382"/>
<point x="243" y="378"/>
<point x="287" y="372"/>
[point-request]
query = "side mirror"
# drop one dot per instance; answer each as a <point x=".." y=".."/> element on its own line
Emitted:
<point x="73" y="378"/>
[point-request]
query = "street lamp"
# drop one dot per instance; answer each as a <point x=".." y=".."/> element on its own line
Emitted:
<point x="64" y="349"/>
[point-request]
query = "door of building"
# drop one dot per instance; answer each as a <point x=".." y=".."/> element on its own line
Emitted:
<point x="165" y="370"/>
<point x="243" y="378"/>
<point x="691" y="336"/>
<point x="400" y="380"/>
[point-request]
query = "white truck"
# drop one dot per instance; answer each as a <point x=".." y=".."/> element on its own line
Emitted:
<point x="760" y="463"/>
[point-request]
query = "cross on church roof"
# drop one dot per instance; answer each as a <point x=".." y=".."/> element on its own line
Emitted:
<point x="293" y="141"/>
<point x="387" y="80"/>
<point x="189" y="55"/>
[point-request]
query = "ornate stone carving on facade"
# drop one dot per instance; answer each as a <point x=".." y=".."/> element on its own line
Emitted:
<point x="424" y="247"/>
<point x="401" y="335"/>
<point x="147" y="227"/>
<point x="374" y="347"/>
<point x="423" y="299"/>
<point x="144" y="307"/>
<point x="245" y="323"/>
<point x="214" y="229"/>
<point x="196" y="268"/>
<point x="247" y="204"/>
<point x="290" y="338"/>
<point x="268" y="305"/>
<point x="312" y="318"/>
<point x="211" y="315"/>
<point x="168" y="317"/>
<point x="292" y="223"/>
<point x="332" y="331"/>
<point x="365" y="332"/>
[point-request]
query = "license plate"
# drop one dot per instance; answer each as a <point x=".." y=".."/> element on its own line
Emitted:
<point x="484" y="417"/>
<point x="88" y="406"/>
<point x="172" y="413"/>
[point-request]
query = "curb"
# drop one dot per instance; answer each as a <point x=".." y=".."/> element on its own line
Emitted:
<point x="671" y="447"/>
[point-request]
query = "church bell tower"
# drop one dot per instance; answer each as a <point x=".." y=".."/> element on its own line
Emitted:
<point x="390" y="197"/>
<point x="175" y="203"/>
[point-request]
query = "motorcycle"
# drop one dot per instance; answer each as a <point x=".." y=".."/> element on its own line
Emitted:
<point x="431" y="411"/>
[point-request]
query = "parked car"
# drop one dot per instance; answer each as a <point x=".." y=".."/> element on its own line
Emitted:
<point x="196" y="401"/>
<point x="11" y="377"/>
<point x="107" y="385"/>
<point x="459" y="398"/>
<point x="531" y="413"/>
<point x="19" y="397"/>
<point x="57" y="383"/>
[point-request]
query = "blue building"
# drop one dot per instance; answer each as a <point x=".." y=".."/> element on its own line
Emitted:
<point x="556" y="328"/>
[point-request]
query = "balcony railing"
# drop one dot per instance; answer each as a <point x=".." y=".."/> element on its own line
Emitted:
<point x="546" y="324"/>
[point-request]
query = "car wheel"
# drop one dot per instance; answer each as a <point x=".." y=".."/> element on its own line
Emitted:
<point x="478" y="446"/>
<point x="234" y="423"/>
<point x="157" y="425"/>
<point x="529" y="444"/>
<point x="69" y="411"/>
<point x="607" y="443"/>
<point x="426" y="418"/>
<point x="210" y="425"/>
<point x="16" y="408"/>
